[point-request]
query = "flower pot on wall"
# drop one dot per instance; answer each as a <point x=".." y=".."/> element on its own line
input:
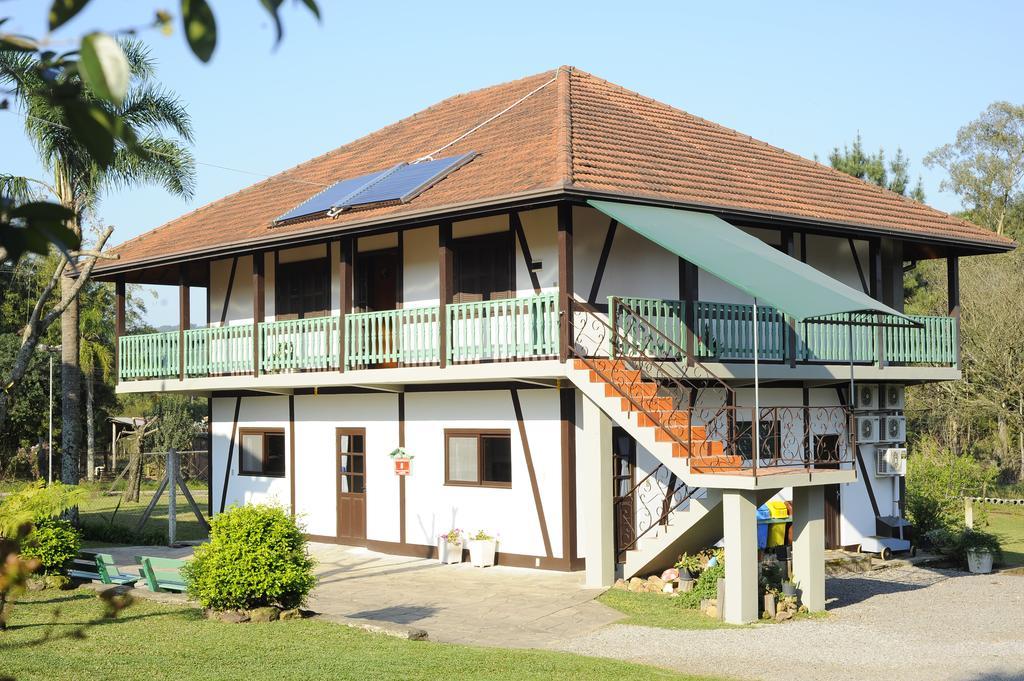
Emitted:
<point x="448" y="552"/>
<point x="979" y="561"/>
<point x="481" y="552"/>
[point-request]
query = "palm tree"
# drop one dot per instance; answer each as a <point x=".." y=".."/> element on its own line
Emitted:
<point x="159" y="156"/>
<point x="96" y="357"/>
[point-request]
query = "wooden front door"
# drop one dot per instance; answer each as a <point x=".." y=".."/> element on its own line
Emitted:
<point x="623" y="473"/>
<point x="832" y="516"/>
<point x="351" y="470"/>
<point x="376" y="289"/>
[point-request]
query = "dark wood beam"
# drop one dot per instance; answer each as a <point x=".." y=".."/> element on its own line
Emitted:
<point x="602" y="262"/>
<point x="516" y="224"/>
<point x="565" y="278"/>
<point x="689" y="293"/>
<point x="445" y="285"/>
<point x="184" y="319"/>
<point x="119" y="298"/>
<point x="789" y="248"/>
<point x="953" y="297"/>
<point x="345" y="247"/>
<point x="258" y="307"/>
<point x="875" y="289"/>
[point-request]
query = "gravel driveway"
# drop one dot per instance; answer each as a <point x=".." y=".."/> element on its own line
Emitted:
<point x="898" y="623"/>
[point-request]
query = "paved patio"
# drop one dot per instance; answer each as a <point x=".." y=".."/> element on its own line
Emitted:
<point x="495" y="606"/>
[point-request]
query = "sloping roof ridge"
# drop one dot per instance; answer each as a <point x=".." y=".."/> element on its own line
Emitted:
<point x="838" y="174"/>
<point x="283" y="175"/>
<point x="565" y="122"/>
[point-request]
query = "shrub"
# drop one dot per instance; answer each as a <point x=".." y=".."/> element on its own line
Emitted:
<point x="937" y="482"/>
<point x="956" y="543"/>
<point x="705" y="586"/>
<point x="256" y="557"/>
<point x="54" y="543"/>
<point x="111" y="533"/>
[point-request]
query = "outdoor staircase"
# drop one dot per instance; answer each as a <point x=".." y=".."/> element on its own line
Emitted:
<point x="690" y="528"/>
<point x="633" y="402"/>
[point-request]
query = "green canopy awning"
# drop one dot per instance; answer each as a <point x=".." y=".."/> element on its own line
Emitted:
<point x="744" y="261"/>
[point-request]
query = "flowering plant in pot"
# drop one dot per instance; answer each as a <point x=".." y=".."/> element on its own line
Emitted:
<point x="449" y="546"/>
<point x="481" y="549"/>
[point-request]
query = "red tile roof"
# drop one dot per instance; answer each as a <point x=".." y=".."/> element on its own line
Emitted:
<point x="572" y="131"/>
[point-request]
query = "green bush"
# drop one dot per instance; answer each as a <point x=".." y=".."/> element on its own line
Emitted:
<point x="54" y="542"/>
<point x="705" y="586"/>
<point x="110" y="533"/>
<point x="256" y="557"/>
<point x="937" y="482"/>
<point x="956" y="543"/>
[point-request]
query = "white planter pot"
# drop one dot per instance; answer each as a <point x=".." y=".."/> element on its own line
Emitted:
<point x="481" y="552"/>
<point x="979" y="562"/>
<point x="449" y="553"/>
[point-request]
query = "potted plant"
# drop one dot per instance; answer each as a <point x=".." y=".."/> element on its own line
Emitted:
<point x="979" y="550"/>
<point x="449" y="547"/>
<point x="481" y="549"/>
<point x="689" y="566"/>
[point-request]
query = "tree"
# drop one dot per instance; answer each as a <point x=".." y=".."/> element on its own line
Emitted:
<point x="79" y="181"/>
<point x="872" y="168"/>
<point x="986" y="165"/>
<point x="96" y="356"/>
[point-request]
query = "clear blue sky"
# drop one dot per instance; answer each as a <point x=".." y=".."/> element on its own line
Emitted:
<point x="804" y="76"/>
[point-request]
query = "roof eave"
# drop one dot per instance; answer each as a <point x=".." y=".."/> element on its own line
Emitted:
<point x="547" y="195"/>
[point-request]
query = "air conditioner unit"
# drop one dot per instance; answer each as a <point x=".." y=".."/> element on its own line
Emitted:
<point x="894" y="428"/>
<point x="891" y="397"/>
<point x="891" y="461"/>
<point x="866" y="397"/>
<point x="867" y="429"/>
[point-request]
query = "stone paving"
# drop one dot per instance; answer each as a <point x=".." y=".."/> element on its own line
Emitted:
<point x="495" y="606"/>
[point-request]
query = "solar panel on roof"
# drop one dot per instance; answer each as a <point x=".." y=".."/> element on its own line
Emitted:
<point x="401" y="183"/>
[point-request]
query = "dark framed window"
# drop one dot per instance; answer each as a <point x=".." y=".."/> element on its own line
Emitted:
<point x="351" y="460"/>
<point x="827" y="450"/>
<point x="483" y="267"/>
<point x="770" y="439"/>
<point x="261" y="452"/>
<point x="478" y="458"/>
<point x="302" y="289"/>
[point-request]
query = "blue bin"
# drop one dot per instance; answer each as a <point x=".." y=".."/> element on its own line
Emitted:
<point x="763" y="514"/>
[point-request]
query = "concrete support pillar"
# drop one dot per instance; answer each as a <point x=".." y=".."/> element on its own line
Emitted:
<point x="739" y="517"/>
<point x="594" y="456"/>
<point x="809" y="545"/>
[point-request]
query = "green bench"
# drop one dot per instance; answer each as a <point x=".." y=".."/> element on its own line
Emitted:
<point x="162" y="574"/>
<point x="100" y="567"/>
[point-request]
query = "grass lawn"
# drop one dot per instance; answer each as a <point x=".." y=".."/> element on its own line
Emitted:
<point x="101" y="509"/>
<point x="153" y="641"/>
<point x="655" y="610"/>
<point x="1007" y="522"/>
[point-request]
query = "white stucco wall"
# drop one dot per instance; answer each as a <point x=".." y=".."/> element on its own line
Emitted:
<point x="431" y="506"/>
<point x="263" y="412"/>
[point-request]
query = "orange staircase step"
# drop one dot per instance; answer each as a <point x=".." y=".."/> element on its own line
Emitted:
<point x="650" y="404"/>
<point x="696" y="433"/>
<point x="715" y="464"/>
<point x="634" y="389"/>
<point x="668" y="418"/>
<point x="616" y="376"/>
<point x="699" y="448"/>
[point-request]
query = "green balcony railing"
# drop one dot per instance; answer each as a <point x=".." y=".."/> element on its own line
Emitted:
<point x="507" y="329"/>
<point x="299" y="345"/>
<point x="218" y="350"/>
<point x="725" y="332"/>
<point x="148" y="355"/>
<point x="410" y="336"/>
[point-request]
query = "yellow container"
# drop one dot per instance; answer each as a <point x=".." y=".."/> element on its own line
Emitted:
<point x="778" y="509"/>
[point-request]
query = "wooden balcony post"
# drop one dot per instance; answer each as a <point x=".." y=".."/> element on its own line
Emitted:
<point x="953" y="300"/>
<point x="688" y="293"/>
<point x="789" y="246"/>
<point x="445" y="286"/>
<point x="257" y="308"/>
<point x="344" y="293"/>
<point x="184" y="319"/>
<point x="876" y="289"/>
<point x="565" y="279"/>
<point x="119" y="298"/>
